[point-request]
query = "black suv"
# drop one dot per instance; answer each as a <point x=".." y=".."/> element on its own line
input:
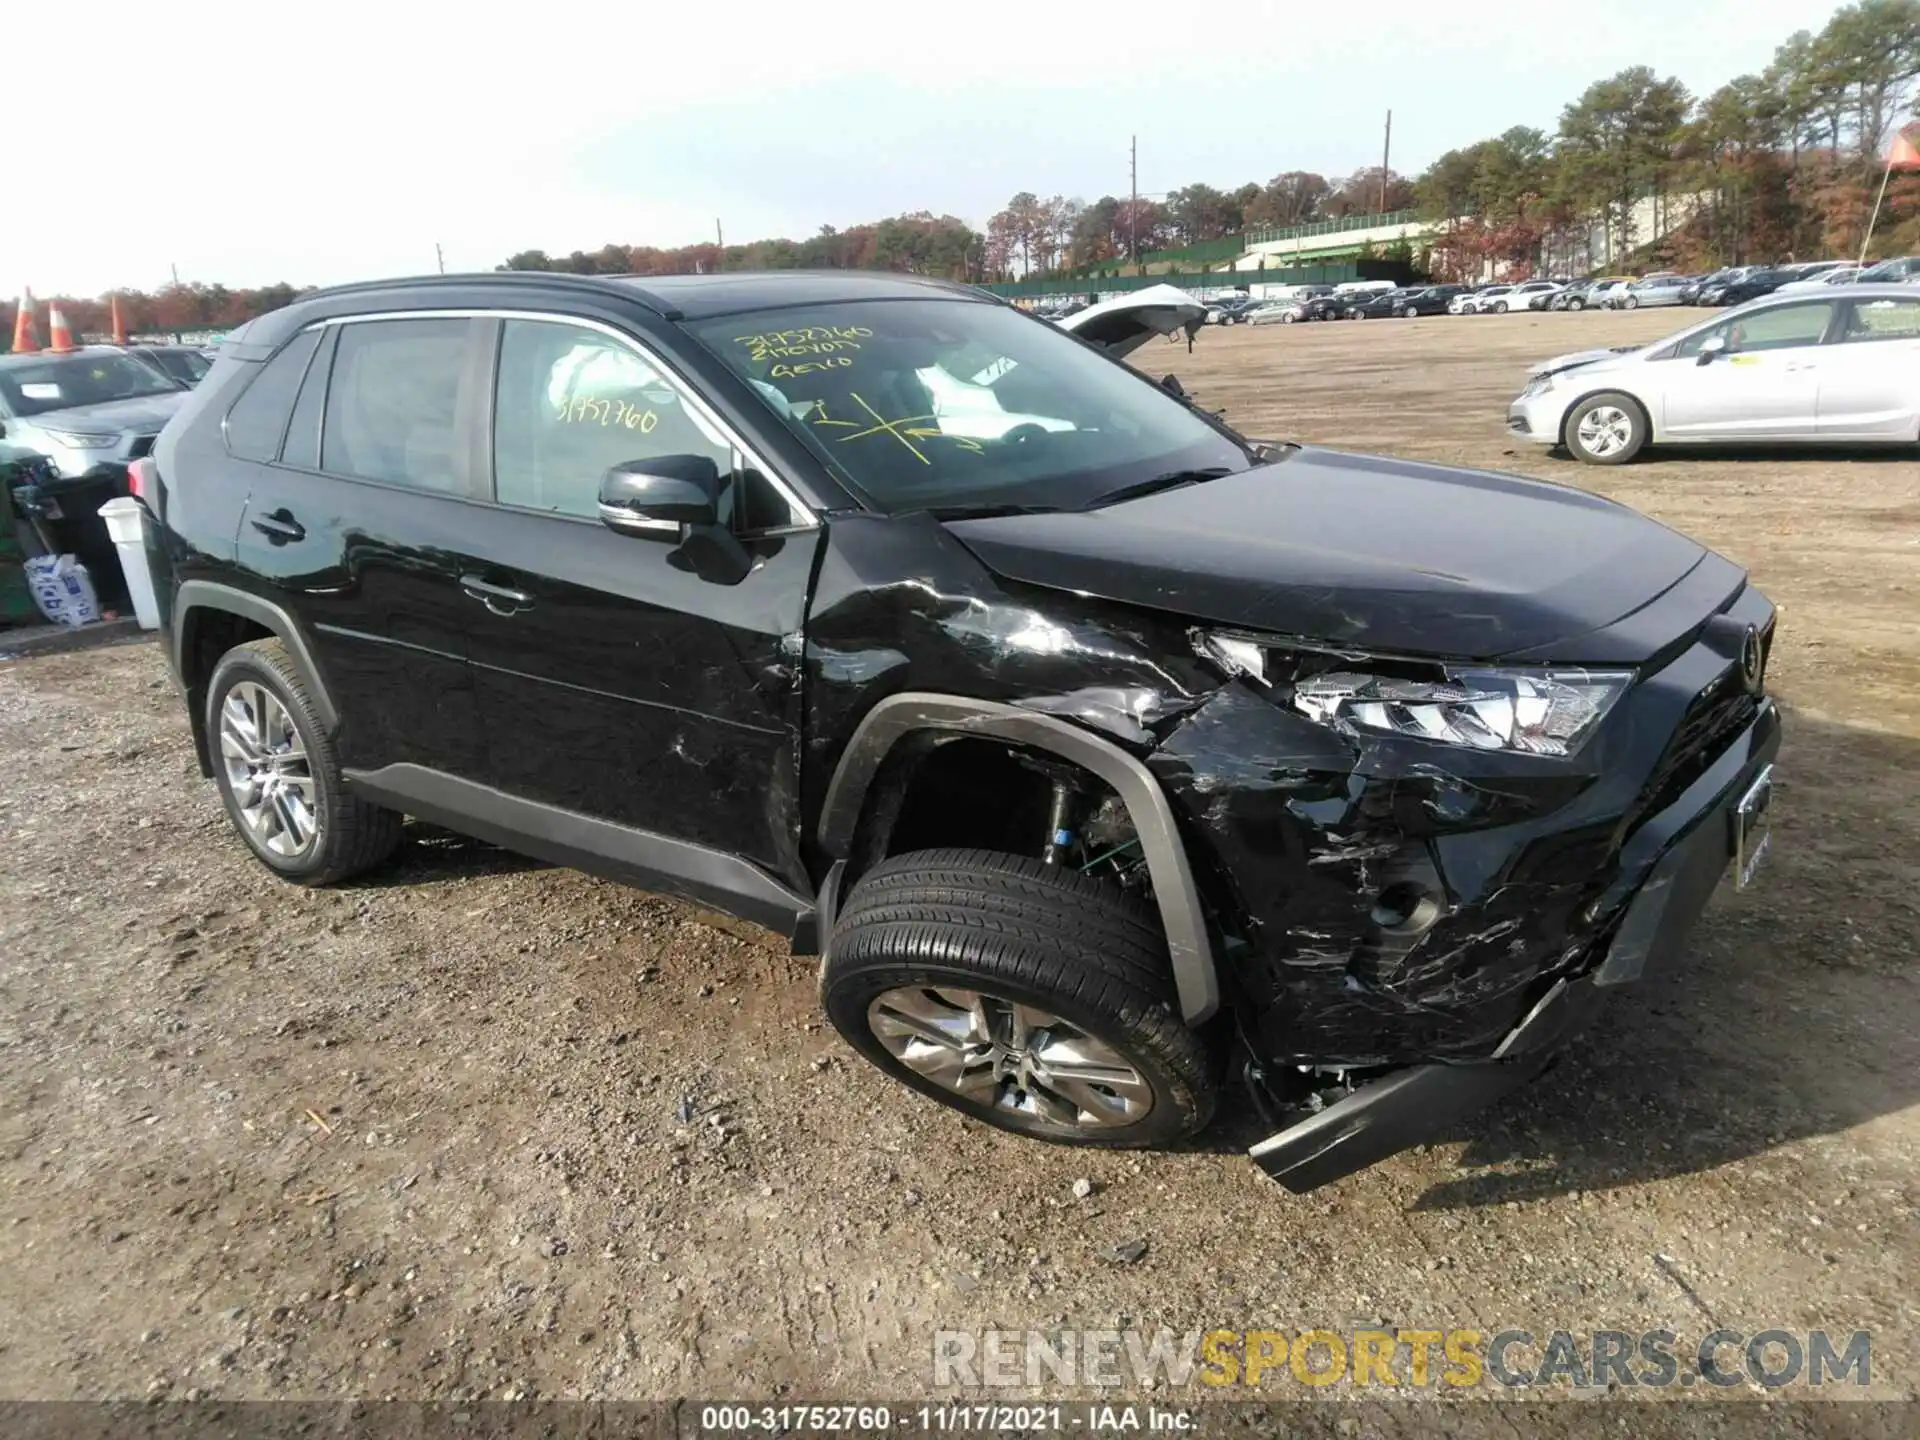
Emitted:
<point x="1108" y="758"/>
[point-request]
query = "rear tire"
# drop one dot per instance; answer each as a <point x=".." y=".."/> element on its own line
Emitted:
<point x="1632" y="302"/>
<point x="1026" y="996"/>
<point x="279" y="775"/>
<point x="1499" y="307"/>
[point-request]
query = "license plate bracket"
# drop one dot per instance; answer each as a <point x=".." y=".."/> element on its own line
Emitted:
<point x="1752" y="828"/>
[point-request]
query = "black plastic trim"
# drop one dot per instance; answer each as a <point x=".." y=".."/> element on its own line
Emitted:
<point x="1181" y="915"/>
<point x="659" y="863"/>
<point x="211" y="595"/>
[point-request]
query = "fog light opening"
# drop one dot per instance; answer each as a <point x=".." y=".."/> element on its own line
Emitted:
<point x="1405" y="908"/>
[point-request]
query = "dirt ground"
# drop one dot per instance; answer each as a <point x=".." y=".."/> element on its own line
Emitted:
<point x="475" y="1127"/>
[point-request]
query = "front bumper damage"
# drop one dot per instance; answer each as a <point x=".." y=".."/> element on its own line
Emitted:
<point x="1681" y="853"/>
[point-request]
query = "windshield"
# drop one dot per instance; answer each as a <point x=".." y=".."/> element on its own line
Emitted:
<point x="959" y="405"/>
<point x="59" y="382"/>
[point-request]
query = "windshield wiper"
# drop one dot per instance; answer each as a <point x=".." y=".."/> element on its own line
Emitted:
<point x="987" y="512"/>
<point x="1172" y="480"/>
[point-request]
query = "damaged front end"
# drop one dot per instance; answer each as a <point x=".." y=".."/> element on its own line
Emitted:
<point x="1399" y="881"/>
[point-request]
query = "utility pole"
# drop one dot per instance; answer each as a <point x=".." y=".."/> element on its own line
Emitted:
<point x="1133" y="198"/>
<point x="439" y="258"/>
<point x="176" y="273"/>
<point x="1386" y="155"/>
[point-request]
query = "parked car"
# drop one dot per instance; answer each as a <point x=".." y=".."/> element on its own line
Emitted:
<point x="1907" y="268"/>
<point x="1834" y="274"/>
<point x="1535" y="294"/>
<point x="1483" y="301"/>
<point x="1325" y="307"/>
<point x="87" y="411"/>
<point x="1654" y="291"/>
<point x="1604" y="293"/>
<point x="1381" y="306"/>
<point x="1434" y="300"/>
<point x="184" y="364"/>
<point x="1279" y="312"/>
<point x="1229" y="311"/>
<point x="1573" y="297"/>
<point x="1752" y="286"/>
<point x="1713" y="290"/>
<point x="1843" y="366"/>
<point x="985" y="707"/>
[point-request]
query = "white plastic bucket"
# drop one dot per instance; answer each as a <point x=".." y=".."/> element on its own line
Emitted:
<point x="125" y="517"/>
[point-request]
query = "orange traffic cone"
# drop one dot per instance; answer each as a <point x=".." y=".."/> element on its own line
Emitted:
<point x="119" y="324"/>
<point x="57" y="327"/>
<point x="25" y="341"/>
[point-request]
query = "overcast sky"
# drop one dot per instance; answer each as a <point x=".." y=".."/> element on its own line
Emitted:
<point x="318" y="143"/>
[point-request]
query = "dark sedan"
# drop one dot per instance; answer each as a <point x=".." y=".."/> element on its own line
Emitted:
<point x="1326" y="307"/>
<point x="1431" y="301"/>
<point x="1377" y="307"/>
<point x="1752" y="287"/>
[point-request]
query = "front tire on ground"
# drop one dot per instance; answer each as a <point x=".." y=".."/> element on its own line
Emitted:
<point x="1606" y="429"/>
<point x="1022" y="994"/>
<point x="279" y="775"/>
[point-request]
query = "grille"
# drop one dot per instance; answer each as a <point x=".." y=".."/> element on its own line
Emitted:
<point x="1717" y="714"/>
<point x="142" y="446"/>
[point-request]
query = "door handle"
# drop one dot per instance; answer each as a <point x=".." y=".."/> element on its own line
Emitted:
<point x="1795" y="366"/>
<point x="279" y="526"/>
<point x="500" y="599"/>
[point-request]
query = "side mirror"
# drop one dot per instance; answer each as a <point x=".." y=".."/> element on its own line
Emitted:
<point x="1711" y="349"/>
<point x="677" y="496"/>
<point x="659" y="495"/>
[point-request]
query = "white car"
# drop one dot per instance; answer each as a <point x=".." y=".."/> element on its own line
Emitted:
<point x="1607" y="296"/>
<point x="1831" y="368"/>
<point x="1515" y="297"/>
<point x="1482" y="302"/>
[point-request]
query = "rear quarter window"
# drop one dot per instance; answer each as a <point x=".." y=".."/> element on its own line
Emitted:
<point x="257" y="423"/>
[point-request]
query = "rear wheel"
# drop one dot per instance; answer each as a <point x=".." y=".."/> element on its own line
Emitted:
<point x="1576" y="304"/>
<point x="1606" y="429"/>
<point x="279" y="776"/>
<point x="1499" y="307"/>
<point x="1633" y="302"/>
<point x="1025" y="995"/>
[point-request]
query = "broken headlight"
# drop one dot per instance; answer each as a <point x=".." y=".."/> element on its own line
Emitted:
<point x="1535" y="712"/>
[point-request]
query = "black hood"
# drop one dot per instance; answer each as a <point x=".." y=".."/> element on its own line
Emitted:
<point x="1383" y="555"/>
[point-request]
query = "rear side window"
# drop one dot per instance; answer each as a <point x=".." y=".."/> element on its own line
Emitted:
<point x="302" y="449"/>
<point x="1883" y="320"/>
<point x="393" y="401"/>
<point x="257" y="423"/>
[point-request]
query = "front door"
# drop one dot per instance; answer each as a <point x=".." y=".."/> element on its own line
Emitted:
<point x="1765" y="383"/>
<point x="349" y="524"/>
<point x="615" y="681"/>
<point x="1870" y="372"/>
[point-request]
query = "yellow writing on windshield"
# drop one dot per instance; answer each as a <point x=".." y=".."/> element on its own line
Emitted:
<point x="786" y="371"/>
<point x="806" y="341"/>
<point x="586" y="410"/>
<point x="906" y="430"/>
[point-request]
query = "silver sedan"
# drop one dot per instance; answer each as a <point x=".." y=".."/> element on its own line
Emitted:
<point x="1836" y="367"/>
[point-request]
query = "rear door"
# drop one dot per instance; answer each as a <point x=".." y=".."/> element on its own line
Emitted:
<point x="1765" y="384"/>
<point x="615" y="681"/>
<point x="1870" y="371"/>
<point x="353" y="524"/>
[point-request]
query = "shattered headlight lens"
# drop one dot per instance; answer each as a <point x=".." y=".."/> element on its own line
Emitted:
<point x="1534" y="712"/>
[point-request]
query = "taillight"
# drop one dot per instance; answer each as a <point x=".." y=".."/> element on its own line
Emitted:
<point x="143" y="479"/>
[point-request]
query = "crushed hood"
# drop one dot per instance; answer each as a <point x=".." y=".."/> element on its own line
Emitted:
<point x="1126" y="322"/>
<point x="1581" y="357"/>
<point x="1358" y="551"/>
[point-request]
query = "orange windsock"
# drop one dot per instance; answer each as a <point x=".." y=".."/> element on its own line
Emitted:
<point x="60" y="332"/>
<point x="25" y="340"/>
<point x="1905" y="154"/>
<point x="119" y="324"/>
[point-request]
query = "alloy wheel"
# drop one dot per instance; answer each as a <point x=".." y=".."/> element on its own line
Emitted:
<point x="268" y="771"/>
<point x="1604" y="430"/>
<point x="1034" y="1069"/>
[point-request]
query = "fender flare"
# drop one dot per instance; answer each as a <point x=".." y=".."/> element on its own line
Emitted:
<point x="211" y="595"/>
<point x="1181" y="916"/>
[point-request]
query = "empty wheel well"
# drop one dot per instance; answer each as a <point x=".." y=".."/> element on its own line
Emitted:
<point x="938" y="791"/>
<point x="205" y="635"/>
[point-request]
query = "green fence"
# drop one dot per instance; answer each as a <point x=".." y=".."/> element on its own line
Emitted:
<point x="1334" y="227"/>
<point x="1333" y="273"/>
